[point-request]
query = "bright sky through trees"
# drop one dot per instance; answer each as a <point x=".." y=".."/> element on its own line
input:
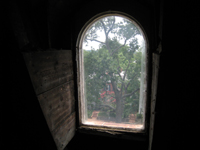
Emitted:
<point x="95" y="45"/>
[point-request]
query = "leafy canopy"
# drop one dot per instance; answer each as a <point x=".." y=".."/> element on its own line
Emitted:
<point x="116" y="61"/>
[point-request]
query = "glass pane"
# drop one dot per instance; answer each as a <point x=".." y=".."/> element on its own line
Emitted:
<point x="113" y="60"/>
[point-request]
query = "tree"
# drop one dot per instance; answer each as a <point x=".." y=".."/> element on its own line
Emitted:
<point x="116" y="62"/>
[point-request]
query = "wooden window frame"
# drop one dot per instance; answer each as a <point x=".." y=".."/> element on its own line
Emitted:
<point x="102" y="130"/>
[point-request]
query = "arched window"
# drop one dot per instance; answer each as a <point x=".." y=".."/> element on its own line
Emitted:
<point x="112" y="55"/>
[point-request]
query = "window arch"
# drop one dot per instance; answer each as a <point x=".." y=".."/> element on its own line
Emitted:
<point x="112" y="60"/>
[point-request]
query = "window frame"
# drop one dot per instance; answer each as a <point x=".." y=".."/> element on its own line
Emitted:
<point x="102" y="129"/>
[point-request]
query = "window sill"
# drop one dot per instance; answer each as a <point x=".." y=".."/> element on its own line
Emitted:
<point x="122" y="133"/>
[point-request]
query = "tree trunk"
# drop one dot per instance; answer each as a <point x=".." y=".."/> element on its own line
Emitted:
<point x="118" y="109"/>
<point x="118" y="102"/>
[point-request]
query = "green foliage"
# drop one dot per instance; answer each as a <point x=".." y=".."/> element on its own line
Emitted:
<point x="131" y="107"/>
<point x="139" y="116"/>
<point x="89" y="112"/>
<point x="106" y="64"/>
<point x="102" y="114"/>
<point x="112" y="114"/>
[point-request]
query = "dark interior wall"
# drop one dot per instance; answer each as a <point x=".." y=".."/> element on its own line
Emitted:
<point x="177" y="105"/>
<point x="25" y="126"/>
<point x="36" y="25"/>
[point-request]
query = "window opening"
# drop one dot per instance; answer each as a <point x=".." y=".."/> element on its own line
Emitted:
<point x="112" y="62"/>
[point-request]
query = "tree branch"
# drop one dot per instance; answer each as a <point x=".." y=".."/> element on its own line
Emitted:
<point x="104" y="27"/>
<point x="129" y="83"/>
<point x="111" y="26"/>
<point x="119" y="75"/>
<point x="119" y="47"/>
<point x="96" y="41"/>
<point x="119" y="68"/>
<point x="129" y="94"/>
<point x="122" y="87"/>
<point x="114" y="87"/>
<point x="126" y="70"/>
<point x="124" y="77"/>
<point x="106" y="34"/>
